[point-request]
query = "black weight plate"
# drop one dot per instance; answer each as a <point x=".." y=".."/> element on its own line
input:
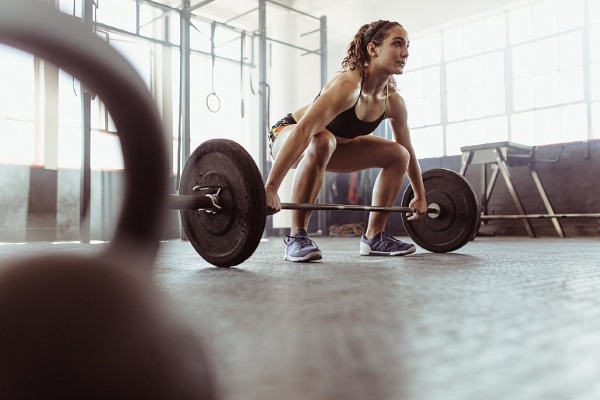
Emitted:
<point x="230" y="236"/>
<point x="459" y="216"/>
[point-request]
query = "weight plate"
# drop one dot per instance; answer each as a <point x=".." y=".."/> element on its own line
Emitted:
<point x="459" y="216"/>
<point x="230" y="236"/>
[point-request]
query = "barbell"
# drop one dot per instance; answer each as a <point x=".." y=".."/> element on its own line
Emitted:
<point x="223" y="206"/>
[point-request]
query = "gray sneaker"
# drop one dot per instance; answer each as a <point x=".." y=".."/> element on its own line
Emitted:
<point x="384" y="245"/>
<point x="300" y="248"/>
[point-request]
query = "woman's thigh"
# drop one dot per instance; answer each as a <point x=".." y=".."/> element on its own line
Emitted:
<point x="322" y="145"/>
<point x="282" y="136"/>
<point x="366" y="152"/>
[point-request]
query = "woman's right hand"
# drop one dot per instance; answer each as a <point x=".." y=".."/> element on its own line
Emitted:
<point x="273" y="202"/>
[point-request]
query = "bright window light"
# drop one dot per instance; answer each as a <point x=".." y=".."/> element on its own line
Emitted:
<point x="432" y="109"/>
<point x="16" y="84"/>
<point x="432" y="46"/>
<point x="474" y="103"/>
<point x="120" y="14"/>
<point x="416" y="54"/>
<point x="453" y="43"/>
<point x="474" y="36"/>
<point x="17" y="142"/>
<point x="455" y="75"/>
<point x="69" y="148"/>
<point x="545" y="18"/>
<point x="428" y="142"/>
<point x="495" y="32"/>
<point x="71" y="7"/>
<point x="494" y="99"/>
<point x="455" y="138"/>
<point x="523" y="128"/>
<point x="596" y="120"/>
<point x="496" y="129"/>
<point x="475" y="132"/>
<point x="416" y="112"/>
<point x="595" y="43"/>
<point x="545" y="55"/>
<point x="412" y="86"/>
<point x="520" y="25"/>
<point x="17" y="107"/>
<point x="456" y="106"/>
<point x="571" y="50"/>
<point x="571" y="85"/>
<point x="573" y="123"/>
<point x="594" y="11"/>
<point x="138" y="54"/>
<point x="522" y="61"/>
<point x="546" y="89"/>
<point x="570" y="14"/>
<point x="431" y="81"/>
<point x="595" y="86"/>
<point x="523" y="94"/>
<point x="547" y="126"/>
<point x="106" y="151"/>
<point x="493" y="67"/>
<point x="474" y="72"/>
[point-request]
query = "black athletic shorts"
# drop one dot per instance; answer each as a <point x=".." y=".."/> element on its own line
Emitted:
<point x="279" y="125"/>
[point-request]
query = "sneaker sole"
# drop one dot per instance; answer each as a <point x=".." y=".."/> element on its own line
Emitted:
<point x="384" y="253"/>
<point x="314" y="256"/>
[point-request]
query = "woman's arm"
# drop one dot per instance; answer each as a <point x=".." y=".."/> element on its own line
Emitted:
<point x="398" y="117"/>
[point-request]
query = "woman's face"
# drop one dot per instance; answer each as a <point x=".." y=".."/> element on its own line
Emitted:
<point x="393" y="52"/>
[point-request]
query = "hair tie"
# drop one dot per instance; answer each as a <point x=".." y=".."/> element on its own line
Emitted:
<point x="377" y="31"/>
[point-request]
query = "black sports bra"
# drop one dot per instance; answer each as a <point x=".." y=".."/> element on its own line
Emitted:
<point x="347" y="125"/>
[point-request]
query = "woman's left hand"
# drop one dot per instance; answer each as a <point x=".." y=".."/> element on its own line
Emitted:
<point x="420" y="206"/>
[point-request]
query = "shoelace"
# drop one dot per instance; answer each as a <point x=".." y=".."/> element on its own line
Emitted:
<point x="387" y="242"/>
<point x="302" y="240"/>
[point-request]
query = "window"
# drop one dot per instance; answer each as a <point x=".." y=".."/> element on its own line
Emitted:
<point x="121" y="14"/>
<point x="518" y="75"/>
<point x="594" y="49"/>
<point x="17" y="107"/>
<point x="596" y="119"/>
<point x="428" y="142"/>
<point x="421" y="88"/>
<point x="548" y="73"/>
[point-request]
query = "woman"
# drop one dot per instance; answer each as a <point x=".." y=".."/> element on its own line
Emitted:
<point x="334" y="134"/>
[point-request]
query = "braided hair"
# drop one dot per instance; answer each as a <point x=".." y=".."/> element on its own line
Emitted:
<point x="357" y="57"/>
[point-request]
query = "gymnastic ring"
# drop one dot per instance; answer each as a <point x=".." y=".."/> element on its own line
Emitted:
<point x="215" y="107"/>
<point x="63" y="40"/>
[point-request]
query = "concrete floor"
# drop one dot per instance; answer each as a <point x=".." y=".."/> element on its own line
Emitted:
<point x="501" y="318"/>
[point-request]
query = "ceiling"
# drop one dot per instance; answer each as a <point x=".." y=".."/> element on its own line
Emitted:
<point x="227" y="10"/>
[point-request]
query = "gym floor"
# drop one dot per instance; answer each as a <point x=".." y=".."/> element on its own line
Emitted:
<point x="501" y="318"/>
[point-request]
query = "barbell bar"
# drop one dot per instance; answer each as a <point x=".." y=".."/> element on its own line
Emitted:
<point x="433" y="209"/>
<point x="210" y="203"/>
<point x="222" y="203"/>
<point x="539" y="216"/>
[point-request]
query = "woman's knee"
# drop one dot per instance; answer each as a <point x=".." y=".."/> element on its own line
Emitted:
<point x="321" y="147"/>
<point x="396" y="156"/>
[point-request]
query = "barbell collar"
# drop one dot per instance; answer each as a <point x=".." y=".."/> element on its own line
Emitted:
<point x="190" y="202"/>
